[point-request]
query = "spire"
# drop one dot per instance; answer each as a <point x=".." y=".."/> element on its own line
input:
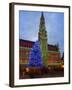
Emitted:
<point x="42" y="22"/>
<point x="42" y="16"/>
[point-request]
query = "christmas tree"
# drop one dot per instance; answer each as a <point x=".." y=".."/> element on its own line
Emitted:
<point x="35" y="57"/>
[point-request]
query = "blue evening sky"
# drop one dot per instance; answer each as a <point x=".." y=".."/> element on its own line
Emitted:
<point x="54" y="21"/>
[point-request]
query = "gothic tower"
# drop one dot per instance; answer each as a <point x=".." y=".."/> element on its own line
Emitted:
<point x="42" y="36"/>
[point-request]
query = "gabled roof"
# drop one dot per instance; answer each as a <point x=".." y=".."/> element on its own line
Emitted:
<point x="26" y="43"/>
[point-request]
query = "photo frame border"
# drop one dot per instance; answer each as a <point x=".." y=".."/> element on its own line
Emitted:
<point x="11" y="43"/>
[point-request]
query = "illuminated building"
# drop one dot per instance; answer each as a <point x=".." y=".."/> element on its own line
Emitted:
<point x="50" y="53"/>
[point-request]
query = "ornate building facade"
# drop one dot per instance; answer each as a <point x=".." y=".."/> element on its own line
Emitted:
<point x="50" y="53"/>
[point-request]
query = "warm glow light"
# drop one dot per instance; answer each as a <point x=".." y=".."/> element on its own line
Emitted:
<point x="62" y="66"/>
<point x="27" y="69"/>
